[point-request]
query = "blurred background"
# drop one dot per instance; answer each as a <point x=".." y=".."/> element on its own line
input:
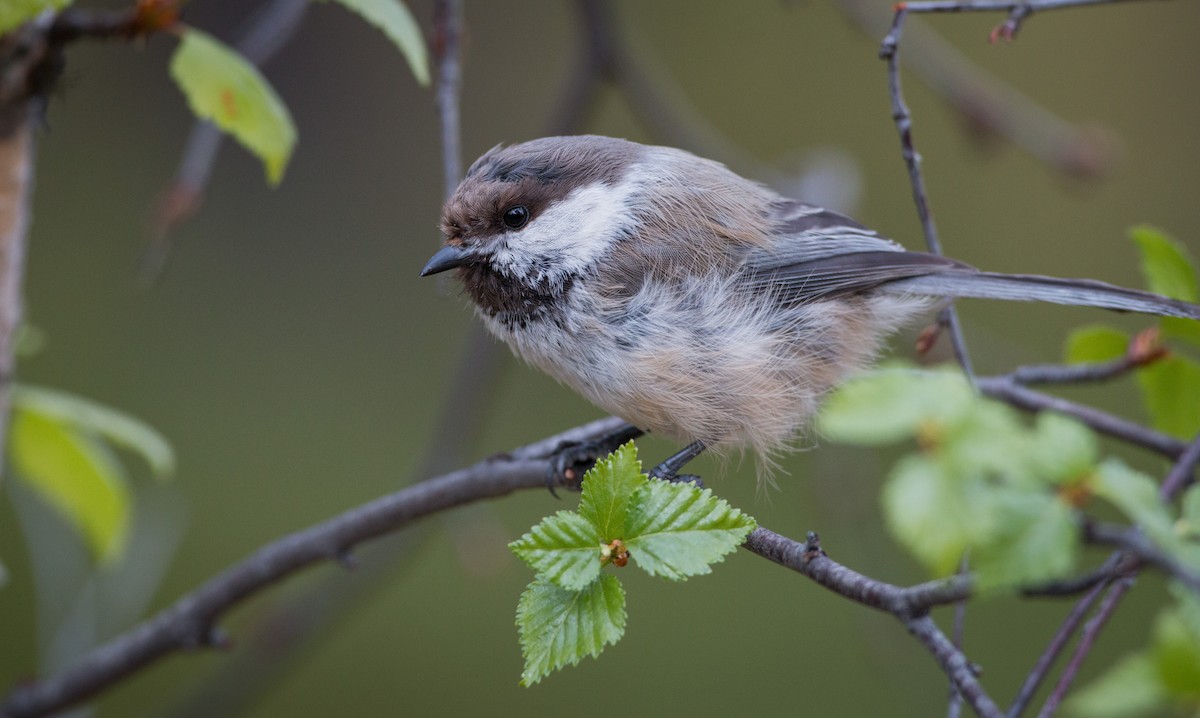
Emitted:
<point x="289" y="352"/>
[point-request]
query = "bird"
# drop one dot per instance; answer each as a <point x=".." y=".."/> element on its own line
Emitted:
<point x="692" y="302"/>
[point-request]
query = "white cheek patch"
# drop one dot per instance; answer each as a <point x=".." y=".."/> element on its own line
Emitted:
<point x="572" y="232"/>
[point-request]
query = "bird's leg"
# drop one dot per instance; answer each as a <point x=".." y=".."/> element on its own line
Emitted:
<point x="573" y="459"/>
<point x="669" y="469"/>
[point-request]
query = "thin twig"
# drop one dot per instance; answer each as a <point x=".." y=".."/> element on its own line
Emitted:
<point x="1041" y="668"/>
<point x="912" y="159"/>
<point x="1134" y="542"/>
<point x="989" y="106"/>
<point x="1006" y="389"/>
<point x="1182" y="474"/>
<point x="910" y="605"/>
<point x="1087" y="639"/>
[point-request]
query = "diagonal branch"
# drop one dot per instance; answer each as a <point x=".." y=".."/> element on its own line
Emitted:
<point x="909" y="605"/>
<point x="191" y="622"/>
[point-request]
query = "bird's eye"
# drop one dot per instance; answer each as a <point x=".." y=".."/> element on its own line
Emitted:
<point x="516" y="216"/>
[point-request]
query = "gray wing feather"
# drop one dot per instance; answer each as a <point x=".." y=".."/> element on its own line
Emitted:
<point x="822" y="254"/>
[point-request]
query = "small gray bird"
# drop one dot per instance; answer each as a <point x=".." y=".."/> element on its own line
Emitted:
<point x="690" y="301"/>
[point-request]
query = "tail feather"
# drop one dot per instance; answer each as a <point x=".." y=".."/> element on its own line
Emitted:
<point x="1035" y="288"/>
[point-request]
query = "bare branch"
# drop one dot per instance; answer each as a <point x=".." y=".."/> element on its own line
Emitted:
<point x="912" y="160"/>
<point x="1090" y="632"/>
<point x="1006" y="389"/>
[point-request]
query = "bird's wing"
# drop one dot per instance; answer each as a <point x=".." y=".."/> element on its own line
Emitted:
<point x="819" y="253"/>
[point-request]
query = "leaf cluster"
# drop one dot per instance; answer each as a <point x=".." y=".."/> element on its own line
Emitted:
<point x="574" y="608"/>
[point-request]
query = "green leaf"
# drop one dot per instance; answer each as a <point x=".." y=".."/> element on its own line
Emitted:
<point x="1176" y="655"/>
<point x="563" y="549"/>
<point x="675" y="530"/>
<point x="76" y="476"/>
<point x="1130" y="688"/>
<point x="114" y="426"/>
<point x="222" y="86"/>
<point x="1136" y="495"/>
<point x="559" y="627"/>
<point x="934" y="512"/>
<point x="1037" y="539"/>
<point x="1169" y="389"/>
<point x="1063" y="450"/>
<point x="14" y="13"/>
<point x="1095" y="343"/>
<point x="3" y="575"/>
<point x="893" y="404"/>
<point x="395" y="20"/>
<point x="607" y="489"/>
<point x="1168" y="268"/>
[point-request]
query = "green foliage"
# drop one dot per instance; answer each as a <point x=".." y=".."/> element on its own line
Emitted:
<point x="984" y="483"/>
<point x="57" y="447"/>
<point x="1168" y="268"/>
<point x="676" y="531"/>
<point x="1164" y="676"/>
<point x="573" y="609"/>
<point x="221" y="86"/>
<point x="114" y="426"/>
<point x="75" y="475"/>
<point x="559" y="627"/>
<point x="14" y="13"/>
<point x="1170" y="384"/>
<point x="396" y="21"/>
<point x="562" y="549"/>
<point x="1095" y="343"/>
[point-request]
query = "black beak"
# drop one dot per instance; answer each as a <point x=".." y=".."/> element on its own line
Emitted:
<point x="448" y="257"/>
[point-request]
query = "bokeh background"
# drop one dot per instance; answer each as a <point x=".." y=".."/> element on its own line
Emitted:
<point x="293" y="358"/>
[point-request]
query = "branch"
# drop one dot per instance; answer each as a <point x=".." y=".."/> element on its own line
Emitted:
<point x="912" y="160"/>
<point x="1041" y="668"/>
<point x="1007" y="389"/>
<point x="191" y="622"/>
<point x="1090" y="632"/>
<point x="909" y="605"/>
<point x="990" y="107"/>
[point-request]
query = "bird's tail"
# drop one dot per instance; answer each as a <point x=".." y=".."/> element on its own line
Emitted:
<point x="963" y="282"/>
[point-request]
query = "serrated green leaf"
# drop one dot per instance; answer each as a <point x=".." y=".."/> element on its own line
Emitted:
<point x="1169" y="389"/>
<point x="1063" y="449"/>
<point x="1037" y="539"/>
<point x="222" y="86"/>
<point x="1095" y="343"/>
<point x="1130" y="688"/>
<point x="676" y="530"/>
<point x="563" y="549"/>
<point x="607" y="488"/>
<point x="395" y="20"/>
<point x="76" y="476"/>
<point x="1166" y="264"/>
<point x="894" y="404"/>
<point x="1136" y="495"/>
<point x="559" y="627"/>
<point x="116" y="427"/>
<point x="14" y="13"/>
